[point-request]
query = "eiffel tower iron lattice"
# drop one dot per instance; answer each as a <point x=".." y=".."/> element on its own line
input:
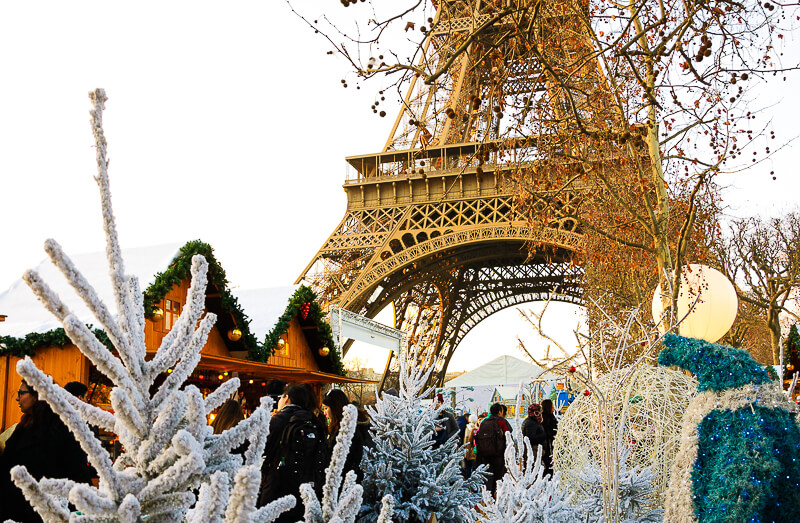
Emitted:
<point x="431" y="225"/>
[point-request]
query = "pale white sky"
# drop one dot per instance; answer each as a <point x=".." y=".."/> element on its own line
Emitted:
<point x="226" y="122"/>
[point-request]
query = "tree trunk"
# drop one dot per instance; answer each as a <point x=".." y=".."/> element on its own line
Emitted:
<point x="774" y="324"/>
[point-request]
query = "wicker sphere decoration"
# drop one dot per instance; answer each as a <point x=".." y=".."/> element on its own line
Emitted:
<point x="708" y="297"/>
<point x="647" y="404"/>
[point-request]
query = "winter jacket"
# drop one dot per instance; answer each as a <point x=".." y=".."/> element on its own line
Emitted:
<point x="353" y="459"/>
<point x="534" y="431"/>
<point x="450" y="427"/>
<point x="271" y="487"/>
<point x="47" y="448"/>
<point x="469" y="440"/>
<point x="462" y="427"/>
<point x="550" y="424"/>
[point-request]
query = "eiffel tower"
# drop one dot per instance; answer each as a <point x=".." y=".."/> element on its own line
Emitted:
<point x="432" y="227"/>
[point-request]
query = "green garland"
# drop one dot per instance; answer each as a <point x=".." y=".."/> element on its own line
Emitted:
<point x="28" y="345"/>
<point x="302" y="295"/>
<point x="179" y="270"/>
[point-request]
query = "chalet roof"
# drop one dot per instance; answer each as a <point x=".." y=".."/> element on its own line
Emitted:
<point x="26" y="314"/>
<point x="504" y="370"/>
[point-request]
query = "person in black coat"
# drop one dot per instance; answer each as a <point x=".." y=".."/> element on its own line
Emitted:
<point x="532" y="428"/>
<point x="446" y="424"/>
<point x="293" y="408"/>
<point x="333" y="407"/>
<point x="45" y="446"/>
<point x="550" y="424"/>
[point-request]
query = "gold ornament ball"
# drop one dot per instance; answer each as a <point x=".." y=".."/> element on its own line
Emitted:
<point x="158" y="314"/>
<point x="234" y="335"/>
<point x="281" y="343"/>
<point x="790" y="367"/>
<point x="324" y="351"/>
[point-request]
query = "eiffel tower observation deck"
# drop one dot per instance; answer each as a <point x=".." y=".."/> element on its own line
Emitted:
<point x="432" y="226"/>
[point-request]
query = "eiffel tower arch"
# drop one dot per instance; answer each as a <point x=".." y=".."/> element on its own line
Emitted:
<point x="431" y="226"/>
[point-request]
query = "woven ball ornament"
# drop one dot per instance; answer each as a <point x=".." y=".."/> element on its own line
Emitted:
<point x="647" y="403"/>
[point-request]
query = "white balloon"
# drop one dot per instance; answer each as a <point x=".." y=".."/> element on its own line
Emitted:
<point x="708" y="297"/>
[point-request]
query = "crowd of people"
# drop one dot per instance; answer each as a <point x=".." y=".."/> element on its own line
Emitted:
<point x="485" y="439"/>
<point x="302" y="436"/>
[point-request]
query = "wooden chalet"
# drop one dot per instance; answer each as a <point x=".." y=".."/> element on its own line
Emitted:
<point x="260" y="335"/>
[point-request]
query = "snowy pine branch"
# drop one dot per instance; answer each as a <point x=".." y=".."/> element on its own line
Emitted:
<point x="338" y="504"/>
<point x="169" y="452"/>
<point x="403" y="463"/>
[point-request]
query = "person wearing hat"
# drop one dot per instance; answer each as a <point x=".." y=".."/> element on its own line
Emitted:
<point x="532" y="428"/>
<point x="446" y="424"/>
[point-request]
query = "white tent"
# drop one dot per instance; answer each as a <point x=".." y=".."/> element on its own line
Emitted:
<point x="504" y="370"/>
<point x="474" y="389"/>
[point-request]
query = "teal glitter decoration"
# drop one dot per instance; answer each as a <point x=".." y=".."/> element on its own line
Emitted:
<point x="746" y="468"/>
<point x="717" y="367"/>
<point x="747" y="465"/>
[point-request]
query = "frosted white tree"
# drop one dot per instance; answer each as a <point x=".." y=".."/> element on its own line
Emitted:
<point x="341" y="501"/>
<point x="524" y="495"/>
<point x="403" y="463"/>
<point x="634" y="497"/>
<point x="169" y="451"/>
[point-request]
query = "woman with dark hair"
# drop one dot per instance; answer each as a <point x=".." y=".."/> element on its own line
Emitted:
<point x="229" y="415"/>
<point x="45" y="446"/>
<point x="550" y="424"/>
<point x="333" y="408"/>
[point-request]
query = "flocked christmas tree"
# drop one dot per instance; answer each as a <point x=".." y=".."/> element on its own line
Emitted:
<point x="524" y="494"/>
<point x="423" y="480"/>
<point x="169" y="452"/>
<point x="634" y="495"/>
<point x="341" y="501"/>
<point x="168" y="449"/>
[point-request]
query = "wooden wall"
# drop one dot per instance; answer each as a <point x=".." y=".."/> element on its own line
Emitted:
<point x="154" y="331"/>
<point x="64" y="365"/>
<point x="299" y="354"/>
<point x="68" y="364"/>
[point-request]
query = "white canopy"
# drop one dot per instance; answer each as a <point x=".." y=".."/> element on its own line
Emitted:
<point x="504" y="370"/>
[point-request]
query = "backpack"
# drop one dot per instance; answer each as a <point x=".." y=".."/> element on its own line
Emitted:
<point x="303" y="455"/>
<point x="490" y="440"/>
